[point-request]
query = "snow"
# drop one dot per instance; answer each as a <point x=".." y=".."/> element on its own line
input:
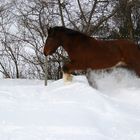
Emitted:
<point x="76" y="111"/>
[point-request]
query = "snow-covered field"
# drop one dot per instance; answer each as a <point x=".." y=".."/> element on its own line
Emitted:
<point x="31" y="111"/>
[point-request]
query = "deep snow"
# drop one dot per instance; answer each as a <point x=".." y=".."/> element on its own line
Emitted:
<point x="31" y="111"/>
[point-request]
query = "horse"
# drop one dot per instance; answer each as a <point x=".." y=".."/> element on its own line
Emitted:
<point x="86" y="52"/>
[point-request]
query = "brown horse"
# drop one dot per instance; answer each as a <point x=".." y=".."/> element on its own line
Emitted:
<point x="86" y="52"/>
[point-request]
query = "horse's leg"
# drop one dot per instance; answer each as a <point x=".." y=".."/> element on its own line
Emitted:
<point x="133" y="62"/>
<point x="67" y="77"/>
<point x="67" y="70"/>
<point x="131" y="58"/>
<point x="136" y="63"/>
<point x="136" y="67"/>
<point x="90" y="79"/>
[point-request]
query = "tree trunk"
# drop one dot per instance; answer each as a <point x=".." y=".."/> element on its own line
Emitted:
<point x="46" y="71"/>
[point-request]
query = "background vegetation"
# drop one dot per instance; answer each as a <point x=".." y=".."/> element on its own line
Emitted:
<point x="24" y="23"/>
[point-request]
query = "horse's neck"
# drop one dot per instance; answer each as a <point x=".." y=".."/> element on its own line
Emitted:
<point x="65" y="43"/>
<point x="68" y="43"/>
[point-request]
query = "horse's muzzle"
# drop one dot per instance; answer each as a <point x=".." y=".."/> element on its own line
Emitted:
<point x="45" y="53"/>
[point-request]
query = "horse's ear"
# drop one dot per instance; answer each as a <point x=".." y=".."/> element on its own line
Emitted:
<point x="49" y="30"/>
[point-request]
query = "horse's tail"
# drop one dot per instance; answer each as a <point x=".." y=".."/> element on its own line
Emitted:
<point x="134" y="61"/>
<point x="138" y="46"/>
<point x="138" y="52"/>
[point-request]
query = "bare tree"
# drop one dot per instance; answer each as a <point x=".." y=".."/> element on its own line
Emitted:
<point x="23" y="30"/>
<point x="127" y="18"/>
<point x="9" y="54"/>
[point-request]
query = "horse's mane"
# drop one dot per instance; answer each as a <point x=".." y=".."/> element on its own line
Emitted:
<point x="68" y="31"/>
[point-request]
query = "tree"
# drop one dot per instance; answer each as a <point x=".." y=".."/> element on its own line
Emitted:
<point x="23" y="30"/>
<point x="127" y="18"/>
<point x="9" y="53"/>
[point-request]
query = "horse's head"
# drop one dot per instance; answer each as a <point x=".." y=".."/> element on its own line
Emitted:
<point x="52" y="42"/>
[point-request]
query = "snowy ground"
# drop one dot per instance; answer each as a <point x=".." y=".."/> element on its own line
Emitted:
<point x="31" y="111"/>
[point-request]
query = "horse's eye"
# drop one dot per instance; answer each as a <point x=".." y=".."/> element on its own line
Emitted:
<point x="49" y="40"/>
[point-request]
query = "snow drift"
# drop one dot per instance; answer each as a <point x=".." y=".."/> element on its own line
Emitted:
<point x="31" y="111"/>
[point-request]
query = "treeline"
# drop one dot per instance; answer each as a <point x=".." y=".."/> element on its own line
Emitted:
<point x="24" y="23"/>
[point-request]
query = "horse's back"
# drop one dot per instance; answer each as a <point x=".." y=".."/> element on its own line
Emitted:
<point x="98" y="54"/>
<point x="108" y="53"/>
